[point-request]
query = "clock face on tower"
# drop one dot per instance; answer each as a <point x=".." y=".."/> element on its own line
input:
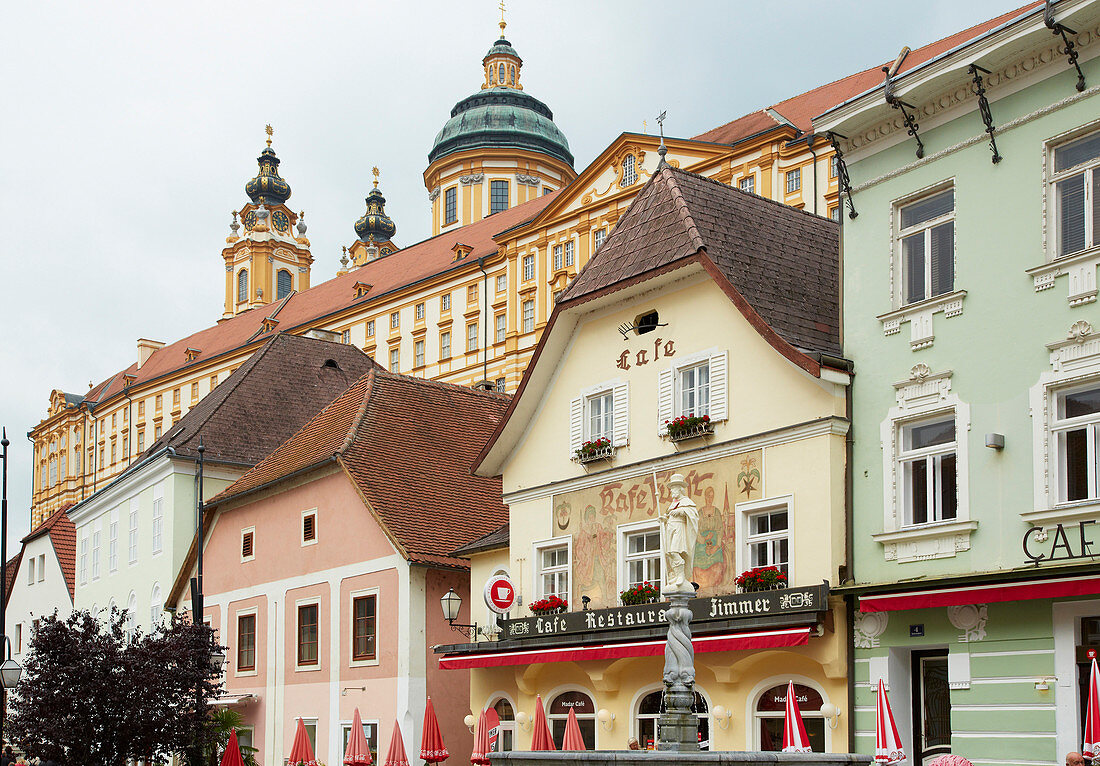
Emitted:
<point x="282" y="223"/>
<point x="250" y="220"/>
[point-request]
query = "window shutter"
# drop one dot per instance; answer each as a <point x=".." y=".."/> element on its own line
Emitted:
<point x="620" y="408"/>
<point x="664" y="399"/>
<point x="718" y="387"/>
<point x="576" y="424"/>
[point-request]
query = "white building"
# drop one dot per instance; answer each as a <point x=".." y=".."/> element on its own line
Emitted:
<point x="43" y="580"/>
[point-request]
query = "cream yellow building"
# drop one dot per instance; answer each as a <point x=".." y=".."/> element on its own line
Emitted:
<point x="466" y="306"/>
<point x="705" y="300"/>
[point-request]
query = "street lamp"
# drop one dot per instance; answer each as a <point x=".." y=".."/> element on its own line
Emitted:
<point x="217" y="660"/>
<point x="10" y="671"/>
<point x="451" y="603"/>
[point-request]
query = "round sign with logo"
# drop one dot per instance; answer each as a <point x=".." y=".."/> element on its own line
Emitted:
<point x="500" y="594"/>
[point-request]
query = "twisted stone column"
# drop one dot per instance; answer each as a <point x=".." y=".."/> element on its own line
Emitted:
<point x="678" y="725"/>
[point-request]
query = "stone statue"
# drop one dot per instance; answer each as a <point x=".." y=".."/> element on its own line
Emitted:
<point x="680" y="525"/>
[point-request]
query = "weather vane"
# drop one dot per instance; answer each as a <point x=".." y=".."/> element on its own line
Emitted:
<point x="662" y="150"/>
<point x="376" y="172"/>
<point x="270" y="132"/>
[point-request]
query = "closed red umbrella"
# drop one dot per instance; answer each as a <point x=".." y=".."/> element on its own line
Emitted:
<point x="358" y="752"/>
<point x="888" y="747"/>
<point x="301" y="752"/>
<point x="232" y="754"/>
<point x="794" y="731"/>
<point x="480" y="753"/>
<point x="432" y="749"/>
<point x="572" y="739"/>
<point x="541" y="739"/>
<point x="1091" y="747"/>
<point x="396" y="755"/>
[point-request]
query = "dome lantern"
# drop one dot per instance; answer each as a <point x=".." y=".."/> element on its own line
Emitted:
<point x="375" y="225"/>
<point x="268" y="186"/>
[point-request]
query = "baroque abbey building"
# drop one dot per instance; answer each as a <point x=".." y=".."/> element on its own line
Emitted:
<point x="513" y="222"/>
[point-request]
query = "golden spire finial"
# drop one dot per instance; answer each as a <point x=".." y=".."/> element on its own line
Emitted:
<point x="270" y="132"/>
<point x="376" y="174"/>
<point x="503" y="23"/>
<point x="645" y="127"/>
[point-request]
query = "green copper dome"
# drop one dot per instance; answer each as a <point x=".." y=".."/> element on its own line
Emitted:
<point x="268" y="186"/>
<point x="498" y="117"/>
<point x="503" y="47"/>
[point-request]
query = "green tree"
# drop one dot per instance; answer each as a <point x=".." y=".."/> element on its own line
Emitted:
<point x="93" y="693"/>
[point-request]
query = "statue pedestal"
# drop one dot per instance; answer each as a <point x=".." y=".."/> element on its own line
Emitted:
<point x="678" y="726"/>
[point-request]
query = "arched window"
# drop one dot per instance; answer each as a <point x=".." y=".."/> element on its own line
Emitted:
<point x="501" y="75"/>
<point x="512" y="76"/>
<point x="630" y="171"/>
<point x="585" y="710"/>
<point x="492" y="75"/>
<point x="284" y="284"/>
<point x="156" y="608"/>
<point x="506" y="739"/>
<point x="771" y="706"/>
<point x="242" y="285"/>
<point x="649" y="710"/>
<point x="131" y="615"/>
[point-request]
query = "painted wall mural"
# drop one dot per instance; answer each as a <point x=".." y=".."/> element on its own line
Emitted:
<point x="592" y="517"/>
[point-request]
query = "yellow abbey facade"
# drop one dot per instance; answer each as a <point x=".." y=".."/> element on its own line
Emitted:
<point x="513" y="223"/>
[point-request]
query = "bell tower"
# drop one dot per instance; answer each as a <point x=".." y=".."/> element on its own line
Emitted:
<point x="269" y="261"/>
<point x="374" y="230"/>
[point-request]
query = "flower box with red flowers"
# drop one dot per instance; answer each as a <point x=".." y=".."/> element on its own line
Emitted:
<point x="597" y="449"/>
<point x="642" y="593"/>
<point x="761" y="578"/>
<point x="688" y="427"/>
<point x="548" y="605"/>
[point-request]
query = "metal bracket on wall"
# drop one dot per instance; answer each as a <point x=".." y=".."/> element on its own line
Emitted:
<point x="842" y="172"/>
<point x="983" y="107"/>
<point x="909" y="118"/>
<point x="1063" y="31"/>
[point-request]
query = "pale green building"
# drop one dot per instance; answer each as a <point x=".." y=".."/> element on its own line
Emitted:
<point x="969" y="298"/>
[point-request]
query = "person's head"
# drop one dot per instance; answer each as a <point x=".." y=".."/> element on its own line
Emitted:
<point x="1074" y="759"/>
<point x="632" y="743"/>
<point x="677" y="486"/>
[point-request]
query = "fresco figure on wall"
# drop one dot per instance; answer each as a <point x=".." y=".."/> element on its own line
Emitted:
<point x="710" y="563"/>
<point x="594" y="554"/>
<point x="680" y="524"/>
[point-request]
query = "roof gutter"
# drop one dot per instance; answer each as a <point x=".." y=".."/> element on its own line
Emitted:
<point x="215" y="502"/>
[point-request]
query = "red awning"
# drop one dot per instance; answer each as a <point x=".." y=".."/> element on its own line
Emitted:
<point x="981" y="594"/>
<point x="760" y="639"/>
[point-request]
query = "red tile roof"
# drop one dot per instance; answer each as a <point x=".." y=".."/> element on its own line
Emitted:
<point x="11" y="570"/>
<point x="62" y="534"/>
<point x="400" y="269"/>
<point x="802" y="108"/>
<point x="409" y="445"/>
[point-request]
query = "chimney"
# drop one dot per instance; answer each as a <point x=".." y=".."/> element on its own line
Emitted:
<point x="146" y="348"/>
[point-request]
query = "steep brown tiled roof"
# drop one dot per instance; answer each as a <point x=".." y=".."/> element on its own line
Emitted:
<point x="393" y="272"/>
<point x="62" y="534"/>
<point x="269" y="397"/>
<point x="409" y="445"/>
<point x="801" y="109"/>
<point x="11" y="571"/>
<point x="495" y="540"/>
<point x="784" y="262"/>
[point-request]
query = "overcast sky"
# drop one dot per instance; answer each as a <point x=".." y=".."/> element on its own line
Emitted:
<point x="128" y="133"/>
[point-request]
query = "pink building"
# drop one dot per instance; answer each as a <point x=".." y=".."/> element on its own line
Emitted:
<point x="324" y="566"/>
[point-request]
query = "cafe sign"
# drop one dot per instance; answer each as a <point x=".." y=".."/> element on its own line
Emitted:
<point x="1059" y="543"/>
<point x="756" y="604"/>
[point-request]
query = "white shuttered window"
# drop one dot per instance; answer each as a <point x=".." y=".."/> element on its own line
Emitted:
<point x="697" y="385"/>
<point x="600" y="411"/>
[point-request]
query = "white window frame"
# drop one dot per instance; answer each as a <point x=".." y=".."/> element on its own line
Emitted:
<point x="370" y="328"/>
<point x="930" y="455"/>
<point x="244" y="531"/>
<point x="420" y="311"/>
<point x="528" y="267"/>
<point x="30" y="570"/>
<point x="395" y="360"/>
<point x="418" y="353"/>
<point x="345" y="730"/>
<point x="579" y="429"/>
<point x="158" y="520"/>
<point x="377" y="593"/>
<point x="558" y="259"/>
<point x="156" y="606"/>
<point x="793" y="177"/>
<point x="445" y="345"/>
<point x="606" y="416"/>
<point x="254" y="611"/>
<point x="537" y="572"/>
<point x="630" y="172"/>
<point x="745" y="511"/>
<point x="97" y="537"/>
<point x="1092" y="442"/>
<point x="924" y="229"/>
<point x="598" y="238"/>
<point x="502" y="282"/>
<point x="502" y="327"/>
<point x="570" y="253"/>
<point x="84" y="559"/>
<point x="752" y="720"/>
<point x="395" y="320"/>
<point x="923" y="397"/>
<point x="670" y="395"/>
<point x="41" y="567"/>
<point x="445" y="302"/>
<point x="112" y="541"/>
<point x="308" y="601"/>
<point x="302" y="528"/>
<point x="528" y="320"/>
<point x="135" y="507"/>
<point x="472" y="337"/>
<point x="624" y="531"/>
<point x="1089" y="169"/>
<point x="748" y="181"/>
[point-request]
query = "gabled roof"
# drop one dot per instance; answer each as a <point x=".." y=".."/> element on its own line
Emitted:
<point x="62" y="534"/>
<point x="495" y="540"/>
<point x="299" y="310"/>
<point x="800" y="109"/>
<point x="11" y="571"/>
<point x="783" y="261"/>
<point x="266" y="399"/>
